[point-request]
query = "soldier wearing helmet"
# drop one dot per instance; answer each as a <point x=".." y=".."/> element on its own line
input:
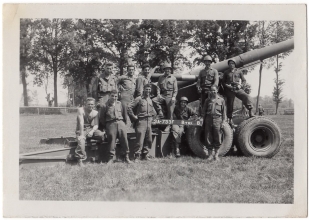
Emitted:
<point x="234" y="82"/>
<point x="167" y="92"/>
<point x="182" y="112"/>
<point x="207" y="77"/>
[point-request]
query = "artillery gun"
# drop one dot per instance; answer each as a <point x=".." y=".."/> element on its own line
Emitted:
<point x="256" y="136"/>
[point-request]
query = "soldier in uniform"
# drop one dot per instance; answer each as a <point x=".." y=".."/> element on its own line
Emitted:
<point x="261" y="110"/>
<point x="182" y="112"/>
<point x="113" y="117"/>
<point x="233" y="87"/>
<point x="214" y="114"/>
<point x="87" y="127"/>
<point x="126" y="85"/>
<point x="104" y="84"/>
<point x="142" y="80"/>
<point x="142" y="112"/>
<point x="206" y="78"/>
<point x="167" y="92"/>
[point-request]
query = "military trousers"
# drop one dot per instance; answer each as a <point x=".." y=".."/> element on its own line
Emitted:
<point x="204" y="96"/>
<point x="177" y="131"/>
<point x="143" y="135"/>
<point x="230" y="97"/>
<point x="167" y="101"/>
<point x="117" y="129"/>
<point x="80" y="151"/>
<point x="126" y="97"/>
<point x="213" y="135"/>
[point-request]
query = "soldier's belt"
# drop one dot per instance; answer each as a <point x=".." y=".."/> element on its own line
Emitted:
<point x="178" y="122"/>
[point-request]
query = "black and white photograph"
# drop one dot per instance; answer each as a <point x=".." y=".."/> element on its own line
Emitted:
<point x="156" y="110"/>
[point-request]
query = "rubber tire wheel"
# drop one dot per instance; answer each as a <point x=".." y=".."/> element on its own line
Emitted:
<point x="264" y="128"/>
<point x="238" y="119"/>
<point x="193" y="135"/>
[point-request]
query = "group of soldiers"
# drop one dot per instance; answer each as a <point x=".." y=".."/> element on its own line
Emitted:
<point x="117" y="102"/>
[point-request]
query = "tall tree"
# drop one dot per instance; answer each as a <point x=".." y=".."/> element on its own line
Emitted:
<point x="28" y="29"/>
<point x="117" y="38"/>
<point x="164" y="41"/>
<point x="53" y="47"/>
<point x="282" y="30"/>
<point x="222" y="38"/>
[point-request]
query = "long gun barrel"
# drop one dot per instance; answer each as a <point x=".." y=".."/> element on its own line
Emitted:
<point x="187" y="82"/>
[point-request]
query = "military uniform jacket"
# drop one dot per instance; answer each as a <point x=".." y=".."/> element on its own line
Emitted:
<point x="141" y="107"/>
<point x="90" y="120"/>
<point x="168" y="86"/>
<point x="184" y="114"/>
<point x="102" y="85"/>
<point x="233" y="76"/>
<point x="110" y="112"/>
<point x="215" y="107"/>
<point x="126" y="83"/>
<point x="140" y="82"/>
<point x="208" y="78"/>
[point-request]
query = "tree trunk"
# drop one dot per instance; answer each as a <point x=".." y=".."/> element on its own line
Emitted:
<point x="24" y="82"/>
<point x="277" y="84"/>
<point x="260" y="78"/>
<point x="55" y="85"/>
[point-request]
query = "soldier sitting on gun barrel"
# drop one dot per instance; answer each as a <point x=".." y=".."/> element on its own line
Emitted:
<point x="87" y="127"/>
<point x="181" y="112"/>
<point x="231" y="82"/>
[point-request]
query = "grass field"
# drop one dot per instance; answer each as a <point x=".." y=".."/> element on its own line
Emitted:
<point x="232" y="180"/>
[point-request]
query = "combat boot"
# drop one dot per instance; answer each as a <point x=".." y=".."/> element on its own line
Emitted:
<point x="137" y="158"/>
<point x="145" y="157"/>
<point x="211" y="155"/>
<point x="251" y="114"/>
<point x="80" y="163"/>
<point x="216" y="158"/>
<point x="205" y="151"/>
<point x="126" y="159"/>
<point x="177" y="151"/>
<point x="110" y="160"/>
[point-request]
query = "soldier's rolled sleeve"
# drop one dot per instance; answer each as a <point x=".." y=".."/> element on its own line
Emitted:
<point x="175" y="88"/>
<point x="216" y="78"/>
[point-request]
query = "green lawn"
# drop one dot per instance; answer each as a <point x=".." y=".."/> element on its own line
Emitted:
<point x="232" y="180"/>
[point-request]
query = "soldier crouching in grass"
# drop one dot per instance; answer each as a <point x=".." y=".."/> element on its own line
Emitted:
<point x="141" y="111"/>
<point x="181" y="112"/>
<point x="113" y="117"/>
<point x="87" y="127"/>
<point x="214" y="115"/>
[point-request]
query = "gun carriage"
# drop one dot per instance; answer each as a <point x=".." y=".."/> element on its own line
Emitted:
<point x="256" y="136"/>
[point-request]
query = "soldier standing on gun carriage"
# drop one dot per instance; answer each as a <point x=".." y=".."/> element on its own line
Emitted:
<point x="182" y="112"/>
<point x="231" y="82"/>
<point x="214" y="115"/>
<point x="87" y="127"/>
<point x="207" y="78"/>
<point x="142" y="112"/>
<point x="126" y="85"/>
<point x="104" y="84"/>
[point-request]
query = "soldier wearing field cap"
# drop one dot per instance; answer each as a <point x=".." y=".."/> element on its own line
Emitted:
<point x="113" y="117"/>
<point x="214" y="114"/>
<point x="234" y="81"/>
<point x="126" y="85"/>
<point x="207" y="78"/>
<point x="104" y="84"/>
<point x="167" y="93"/>
<point x="142" y="112"/>
<point x="181" y="112"/>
